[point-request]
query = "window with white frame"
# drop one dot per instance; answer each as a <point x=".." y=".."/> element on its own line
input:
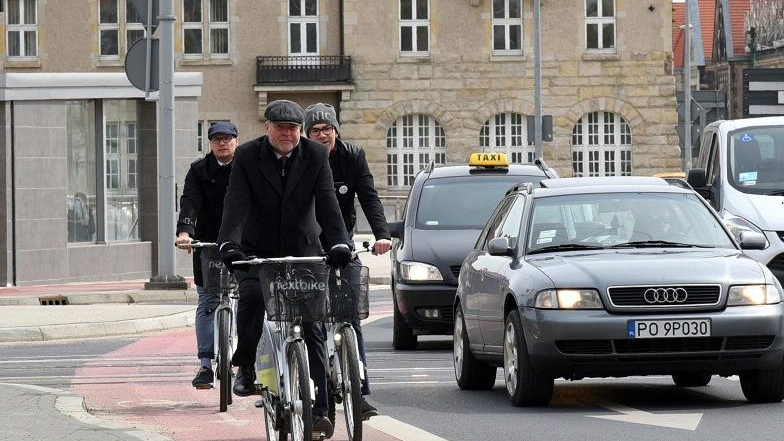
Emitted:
<point x="117" y="33"/>
<point x="22" y="28"/>
<point x="201" y="136"/>
<point x="507" y="133"/>
<point x="303" y="27"/>
<point x="122" y="173"/>
<point x="601" y="146"/>
<point x="414" y="27"/>
<point x="507" y="27"/>
<point x="600" y="25"/>
<point x="212" y="26"/>
<point x="412" y="142"/>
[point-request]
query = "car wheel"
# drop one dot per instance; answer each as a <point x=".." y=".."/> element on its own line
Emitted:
<point x="523" y="386"/>
<point x="403" y="338"/>
<point x="691" y="379"/>
<point x="470" y="373"/>
<point x="764" y="386"/>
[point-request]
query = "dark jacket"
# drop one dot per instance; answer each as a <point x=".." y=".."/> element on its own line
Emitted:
<point x="352" y="177"/>
<point x="201" y="204"/>
<point x="269" y="220"/>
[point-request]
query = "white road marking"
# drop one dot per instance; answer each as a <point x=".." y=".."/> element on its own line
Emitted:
<point x="685" y="421"/>
<point x="401" y="430"/>
<point x="374" y="317"/>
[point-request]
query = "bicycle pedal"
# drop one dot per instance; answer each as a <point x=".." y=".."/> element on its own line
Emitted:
<point x="259" y="404"/>
<point x="318" y="436"/>
<point x="203" y="386"/>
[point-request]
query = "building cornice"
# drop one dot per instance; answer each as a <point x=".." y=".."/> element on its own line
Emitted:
<point x="18" y="86"/>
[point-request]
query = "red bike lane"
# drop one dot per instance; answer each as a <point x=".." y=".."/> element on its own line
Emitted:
<point x="147" y="384"/>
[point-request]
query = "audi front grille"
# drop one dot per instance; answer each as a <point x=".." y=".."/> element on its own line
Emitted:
<point x="664" y="296"/>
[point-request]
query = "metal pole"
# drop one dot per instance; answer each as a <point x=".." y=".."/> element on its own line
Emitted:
<point x="166" y="196"/>
<point x="687" y="89"/>
<point x="538" y="148"/>
<point x="148" y="49"/>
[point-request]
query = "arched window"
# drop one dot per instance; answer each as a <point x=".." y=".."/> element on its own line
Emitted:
<point x="412" y="142"/>
<point x="507" y="133"/>
<point x="601" y="146"/>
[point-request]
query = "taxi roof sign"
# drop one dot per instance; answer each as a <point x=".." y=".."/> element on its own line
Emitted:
<point x="488" y="160"/>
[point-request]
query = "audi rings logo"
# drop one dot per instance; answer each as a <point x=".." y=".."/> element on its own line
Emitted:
<point x="665" y="295"/>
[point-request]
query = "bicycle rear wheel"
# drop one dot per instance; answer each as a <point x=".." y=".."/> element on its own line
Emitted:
<point x="224" y="358"/>
<point x="351" y="383"/>
<point x="301" y="411"/>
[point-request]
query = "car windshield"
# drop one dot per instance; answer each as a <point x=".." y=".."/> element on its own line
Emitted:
<point x="756" y="160"/>
<point x="463" y="203"/>
<point x="591" y="221"/>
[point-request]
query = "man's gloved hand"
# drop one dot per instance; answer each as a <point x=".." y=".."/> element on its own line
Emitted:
<point x="338" y="257"/>
<point x="230" y="252"/>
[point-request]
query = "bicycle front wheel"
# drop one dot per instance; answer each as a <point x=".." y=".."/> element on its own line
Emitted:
<point x="224" y="358"/>
<point x="351" y="384"/>
<point x="301" y="409"/>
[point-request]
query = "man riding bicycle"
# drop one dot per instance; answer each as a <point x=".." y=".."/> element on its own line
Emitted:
<point x="201" y="205"/>
<point x="280" y="199"/>
<point x="352" y="177"/>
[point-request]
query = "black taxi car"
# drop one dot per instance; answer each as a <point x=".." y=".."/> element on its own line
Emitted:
<point x="446" y="210"/>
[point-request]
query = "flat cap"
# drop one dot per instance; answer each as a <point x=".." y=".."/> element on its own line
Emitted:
<point x="285" y="111"/>
<point x="222" y="127"/>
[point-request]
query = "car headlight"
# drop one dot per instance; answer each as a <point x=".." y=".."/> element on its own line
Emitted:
<point x="753" y="295"/>
<point x="419" y="272"/>
<point x="568" y="299"/>
<point x="737" y="224"/>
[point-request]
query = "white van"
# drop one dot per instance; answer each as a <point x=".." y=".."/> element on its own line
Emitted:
<point x="740" y="170"/>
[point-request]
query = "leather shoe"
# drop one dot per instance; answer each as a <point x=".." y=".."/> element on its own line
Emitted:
<point x="244" y="383"/>
<point x="368" y="410"/>
<point x="322" y="424"/>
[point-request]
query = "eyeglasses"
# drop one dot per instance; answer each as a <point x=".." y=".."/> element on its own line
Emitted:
<point x="327" y="130"/>
<point x="221" y="139"/>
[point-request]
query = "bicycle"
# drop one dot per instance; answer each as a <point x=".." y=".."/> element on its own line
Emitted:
<point x="294" y="290"/>
<point x="225" y="315"/>
<point x="348" y="301"/>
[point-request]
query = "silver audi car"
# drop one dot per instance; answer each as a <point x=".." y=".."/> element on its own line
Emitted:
<point x="610" y="277"/>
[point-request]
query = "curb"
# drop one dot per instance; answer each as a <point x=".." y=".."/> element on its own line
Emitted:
<point x="98" y="329"/>
<point x="161" y="296"/>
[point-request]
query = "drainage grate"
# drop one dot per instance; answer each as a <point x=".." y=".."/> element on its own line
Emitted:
<point x="59" y="300"/>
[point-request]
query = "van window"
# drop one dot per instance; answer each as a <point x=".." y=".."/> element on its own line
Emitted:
<point x="713" y="160"/>
<point x="755" y="159"/>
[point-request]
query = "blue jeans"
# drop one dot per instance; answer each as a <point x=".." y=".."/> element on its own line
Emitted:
<point x="205" y="317"/>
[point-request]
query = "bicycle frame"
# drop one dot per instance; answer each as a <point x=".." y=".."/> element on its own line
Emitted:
<point x="281" y="335"/>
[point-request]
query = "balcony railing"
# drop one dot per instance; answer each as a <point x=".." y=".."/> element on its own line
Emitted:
<point x="303" y="70"/>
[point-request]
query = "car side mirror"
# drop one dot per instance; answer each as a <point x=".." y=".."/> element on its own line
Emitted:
<point x="698" y="182"/>
<point x="396" y="229"/>
<point x="499" y="246"/>
<point x="751" y="240"/>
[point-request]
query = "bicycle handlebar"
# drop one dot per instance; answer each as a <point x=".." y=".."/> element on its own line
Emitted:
<point x="197" y="244"/>
<point x="289" y="259"/>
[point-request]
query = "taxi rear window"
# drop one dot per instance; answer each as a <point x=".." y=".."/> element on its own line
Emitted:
<point x="463" y="203"/>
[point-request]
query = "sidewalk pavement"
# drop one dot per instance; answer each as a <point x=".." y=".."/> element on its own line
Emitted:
<point x="101" y="309"/>
<point x="40" y="413"/>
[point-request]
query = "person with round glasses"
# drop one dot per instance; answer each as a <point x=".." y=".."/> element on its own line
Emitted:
<point x="352" y="177"/>
<point x="201" y="205"/>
